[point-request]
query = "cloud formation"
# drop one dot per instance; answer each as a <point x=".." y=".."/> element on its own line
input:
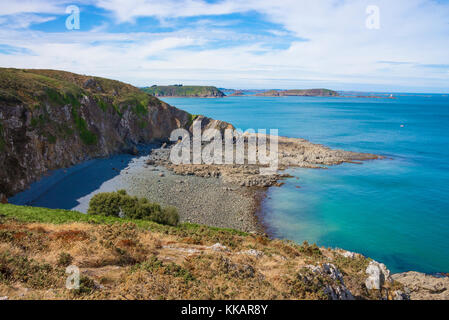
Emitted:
<point x="232" y="43"/>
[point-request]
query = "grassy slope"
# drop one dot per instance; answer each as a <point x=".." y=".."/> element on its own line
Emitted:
<point x="34" y="86"/>
<point x="39" y="89"/>
<point x="183" y="91"/>
<point x="59" y="216"/>
<point x="133" y="259"/>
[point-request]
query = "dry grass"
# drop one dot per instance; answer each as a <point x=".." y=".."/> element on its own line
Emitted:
<point x="124" y="261"/>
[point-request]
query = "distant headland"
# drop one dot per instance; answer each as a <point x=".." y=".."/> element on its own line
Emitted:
<point x="303" y="92"/>
<point x="180" y="90"/>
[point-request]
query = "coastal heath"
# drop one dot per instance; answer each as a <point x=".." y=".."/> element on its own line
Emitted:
<point x="206" y="147"/>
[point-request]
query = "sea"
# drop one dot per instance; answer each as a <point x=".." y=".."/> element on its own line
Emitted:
<point x="395" y="210"/>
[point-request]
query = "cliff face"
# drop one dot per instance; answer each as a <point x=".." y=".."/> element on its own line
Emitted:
<point x="307" y="92"/>
<point x="52" y="119"/>
<point x="184" y="91"/>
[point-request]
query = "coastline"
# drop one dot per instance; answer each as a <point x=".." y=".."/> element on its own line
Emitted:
<point x="241" y="208"/>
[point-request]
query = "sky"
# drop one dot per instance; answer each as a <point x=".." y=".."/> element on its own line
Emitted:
<point x="375" y="45"/>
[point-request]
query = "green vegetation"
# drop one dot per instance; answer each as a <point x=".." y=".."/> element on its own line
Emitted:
<point x="64" y="259"/>
<point x="141" y="259"/>
<point x="43" y="91"/>
<point x="154" y="265"/>
<point x="183" y="91"/>
<point x="15" y="268"/>
<point x="119" y="203"/>
<point x="196" y="233"/>
<point x="192" y="117"/>
<point x="86" y="136"/>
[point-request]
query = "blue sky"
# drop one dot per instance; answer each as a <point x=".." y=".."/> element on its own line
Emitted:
<point x="236" y="44"/>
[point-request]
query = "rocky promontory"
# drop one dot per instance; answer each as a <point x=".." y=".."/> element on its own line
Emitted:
<point x="301" y="92"/>
<point x="181" y="91"/>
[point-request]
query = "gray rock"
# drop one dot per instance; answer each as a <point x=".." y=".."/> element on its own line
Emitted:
<point x="378" y="275"/>
<point x="219" y="247"/>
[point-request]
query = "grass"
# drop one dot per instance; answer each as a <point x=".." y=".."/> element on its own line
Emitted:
<point x="59" y="216"/>
<point x="192" y="118"/>
<point x="86" y="136"/>
<point x="138" y="259"/>
<point x="39" y="90"/>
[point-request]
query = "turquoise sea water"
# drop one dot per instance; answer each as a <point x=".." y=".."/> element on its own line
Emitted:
<point x="395" y="211"/>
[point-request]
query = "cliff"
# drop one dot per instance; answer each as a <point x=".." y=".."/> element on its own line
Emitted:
<point x="52" y="119"/>
<point x="184" y="91"/>
<point x="307" y="92"/>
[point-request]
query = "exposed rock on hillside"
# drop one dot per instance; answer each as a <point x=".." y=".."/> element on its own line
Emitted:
<point x="424" y="287"/>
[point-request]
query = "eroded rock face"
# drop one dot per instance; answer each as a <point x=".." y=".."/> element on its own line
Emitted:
<point x="334" y="286"/>
<point x="49" y="129"/>
<point x="424" y="287"/>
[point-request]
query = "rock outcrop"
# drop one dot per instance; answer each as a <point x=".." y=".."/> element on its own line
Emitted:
<point x="53" y="119"/>
<point x="184" y="91"/>
<point x="302" y="92"/>
<point x="421" y="286"/>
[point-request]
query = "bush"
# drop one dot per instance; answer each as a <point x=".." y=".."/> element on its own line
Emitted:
<point x="105" y="204"/>
<point x="120" y="204"/>
<point x="64" y="259"/>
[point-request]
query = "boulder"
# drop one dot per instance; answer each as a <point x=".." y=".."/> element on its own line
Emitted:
<point x="219" y="247"/>
<point x="378" y="275"/>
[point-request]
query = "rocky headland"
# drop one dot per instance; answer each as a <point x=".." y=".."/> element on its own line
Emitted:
<point x="54" y="119"/>
<point x="300" y="92"/>
<point x="181" y="91"/>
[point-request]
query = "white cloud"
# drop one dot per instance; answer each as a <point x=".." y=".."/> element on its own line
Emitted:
<point x="8" y="7"/>
<point x="341" y="52"/>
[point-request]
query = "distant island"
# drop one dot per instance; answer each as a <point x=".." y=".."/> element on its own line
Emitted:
<point x="304" y="92"/>
<point x="237" y="93"/>
<point x="180" y="90"/>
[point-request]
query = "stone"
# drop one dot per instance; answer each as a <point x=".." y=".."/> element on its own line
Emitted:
<point x="335" y="288"/>
<point x="420" y="286"/>
<point x="378" y="275"/>
<point x="219" y="247"/>
<point x="252" y="252"/>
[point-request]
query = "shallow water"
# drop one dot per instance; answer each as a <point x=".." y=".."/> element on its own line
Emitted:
<point x="395" y="211"/>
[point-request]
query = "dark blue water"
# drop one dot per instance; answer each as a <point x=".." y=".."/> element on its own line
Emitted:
<point x="395" y="211"/>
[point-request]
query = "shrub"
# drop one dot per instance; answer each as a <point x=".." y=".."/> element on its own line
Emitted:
<point x="64" y="259"/>
<point x="170" y="216"/>
<point x="120" y="204"/>
<point x="105" y="204"/>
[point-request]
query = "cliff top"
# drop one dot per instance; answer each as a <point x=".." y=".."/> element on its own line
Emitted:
<point x="34" y="86"/>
